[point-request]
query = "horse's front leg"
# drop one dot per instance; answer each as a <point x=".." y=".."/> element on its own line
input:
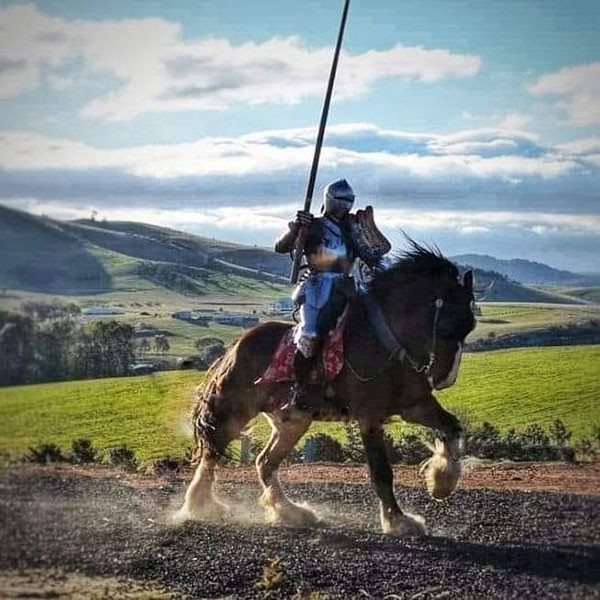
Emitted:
<point x="442" y="470"/>
<point x="393" y="520"/>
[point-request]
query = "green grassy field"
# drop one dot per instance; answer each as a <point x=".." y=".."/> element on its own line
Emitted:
<point x="509" y="388"/>
<point x="502" y="318"/>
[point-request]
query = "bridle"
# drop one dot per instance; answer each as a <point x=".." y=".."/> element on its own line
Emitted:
<point x="396" y="351"/>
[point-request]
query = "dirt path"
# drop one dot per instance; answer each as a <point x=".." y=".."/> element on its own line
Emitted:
<point x="582" y="478"/>
<point x="108" y="535"/>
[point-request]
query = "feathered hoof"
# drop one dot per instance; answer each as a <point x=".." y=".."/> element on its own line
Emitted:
<point x="283" y="512"/>
<point x="212" y="511"/>
<point x="403" y="525"/>
<point x="441" y="472"/>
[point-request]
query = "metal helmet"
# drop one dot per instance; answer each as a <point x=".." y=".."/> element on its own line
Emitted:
<point x="338" y="197"/>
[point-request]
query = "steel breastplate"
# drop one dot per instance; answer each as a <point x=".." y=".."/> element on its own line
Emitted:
<point x="333" y="253"/>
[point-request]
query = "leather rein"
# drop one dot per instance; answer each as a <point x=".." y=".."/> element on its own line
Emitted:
<point x="396" y="351"/>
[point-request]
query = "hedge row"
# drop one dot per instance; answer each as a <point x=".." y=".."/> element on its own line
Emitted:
<point x="485" y="441"/>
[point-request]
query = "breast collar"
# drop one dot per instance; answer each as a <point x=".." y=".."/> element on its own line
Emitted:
<point x="395" y="349"/>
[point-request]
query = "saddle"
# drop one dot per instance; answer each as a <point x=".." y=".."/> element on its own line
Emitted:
<point x="281" y="367"/>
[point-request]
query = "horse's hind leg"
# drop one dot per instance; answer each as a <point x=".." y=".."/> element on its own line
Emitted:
<point x="393" y="520"/>
<point x="284" y="436"/>
<point x="442" y="470"/>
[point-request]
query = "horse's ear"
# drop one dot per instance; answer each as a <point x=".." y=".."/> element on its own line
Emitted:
<point x="468" y="280"/>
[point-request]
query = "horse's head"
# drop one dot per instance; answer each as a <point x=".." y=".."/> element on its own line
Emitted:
<point x="429" y="309"/>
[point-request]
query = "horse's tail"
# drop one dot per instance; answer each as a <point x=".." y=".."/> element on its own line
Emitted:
<point x="208" y="409"/>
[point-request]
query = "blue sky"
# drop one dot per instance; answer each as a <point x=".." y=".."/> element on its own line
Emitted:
<point x="474" y="125"/>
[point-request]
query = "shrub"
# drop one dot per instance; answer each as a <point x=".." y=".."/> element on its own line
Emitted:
<point x="354" y="450"/>
<point x="44" y="453"/>
<point x="323" y="447"/>
<point x="559" y="433"/>
<point x="211" y="353"/>
<point x="82" y="451"/>
<point x="166" y="466"/>
<point x="531" y="444"/>
<point x="206" y="341"/>
<point x="295" y="456"/>
<point x="410" y="449"/>
<point x="586" y="449"/>
<point x="122" y="456"/>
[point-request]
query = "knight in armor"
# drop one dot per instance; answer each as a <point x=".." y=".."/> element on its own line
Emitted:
<point x="334" y="242"/>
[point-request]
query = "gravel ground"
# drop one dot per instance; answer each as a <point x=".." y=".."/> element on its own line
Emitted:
<point x="483" y="543"/>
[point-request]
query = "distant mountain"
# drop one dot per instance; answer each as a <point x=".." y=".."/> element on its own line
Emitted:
<point x="491" y="286"/>
<point x="526" y="271"/>
<point x="89" y="257"/>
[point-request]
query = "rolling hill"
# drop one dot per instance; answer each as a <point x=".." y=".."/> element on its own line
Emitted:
<point x="491" y="286"/>
<point x="79" y="258"/>
<point x="526" y="271"/>
<point x="87" y="257"/>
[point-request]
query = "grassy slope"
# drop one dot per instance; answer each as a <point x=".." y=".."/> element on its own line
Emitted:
<point x="507" y="318"/>
<point x="590" y="294"/>
<point x="147" y="413"/>
<point x="512" y="388"/>
<point x="509" y="388"/>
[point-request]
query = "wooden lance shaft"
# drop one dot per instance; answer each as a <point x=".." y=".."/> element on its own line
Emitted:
<point x="303" y="232"/>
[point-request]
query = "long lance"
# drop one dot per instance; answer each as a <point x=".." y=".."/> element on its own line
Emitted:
<point x="303" y="232"/>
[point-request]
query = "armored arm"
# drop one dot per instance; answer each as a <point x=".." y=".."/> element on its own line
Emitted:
<point x="369" y="243"/>
<point x="286" y="242"/>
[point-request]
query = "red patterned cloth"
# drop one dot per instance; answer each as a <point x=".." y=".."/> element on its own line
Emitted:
<point x="281" y="368"/>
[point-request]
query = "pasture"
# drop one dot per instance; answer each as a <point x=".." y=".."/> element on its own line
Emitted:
<point x="500" y="317"/>
<point x="510" y="388"/>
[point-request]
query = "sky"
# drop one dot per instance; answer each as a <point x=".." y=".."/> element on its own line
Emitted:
<point x="473" y="125"/>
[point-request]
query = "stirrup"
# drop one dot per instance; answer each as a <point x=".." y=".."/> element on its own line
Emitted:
<point x="298" y="398"/>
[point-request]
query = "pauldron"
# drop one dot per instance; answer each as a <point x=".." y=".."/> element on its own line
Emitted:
<point x="370" y="243"/>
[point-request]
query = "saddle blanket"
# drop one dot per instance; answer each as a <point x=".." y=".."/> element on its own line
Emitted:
<point x="281" y="367"/>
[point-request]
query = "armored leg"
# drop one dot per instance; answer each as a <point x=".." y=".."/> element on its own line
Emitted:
<point x="303" y="365"/>
<point x="304" y="361"/>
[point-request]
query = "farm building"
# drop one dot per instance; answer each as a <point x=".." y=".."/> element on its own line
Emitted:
<point x="182" y="315"/>
<point x="101" y="311"/>
<point x="281" y="305"/>
<point x="236" y="320"/>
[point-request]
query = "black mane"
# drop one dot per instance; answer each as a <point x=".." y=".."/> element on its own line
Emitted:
<point x="417" y="261"/>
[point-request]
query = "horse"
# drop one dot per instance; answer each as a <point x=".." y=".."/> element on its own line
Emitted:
<point x="403" y="340"/>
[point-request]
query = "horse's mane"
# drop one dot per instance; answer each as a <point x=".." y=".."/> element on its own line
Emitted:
<point x="417" y="261"/>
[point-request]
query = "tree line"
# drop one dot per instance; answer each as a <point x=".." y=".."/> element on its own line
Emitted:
<point x="57" y="348"/>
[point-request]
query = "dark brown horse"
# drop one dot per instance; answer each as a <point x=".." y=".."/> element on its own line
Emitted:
<point x="403" y="340"/>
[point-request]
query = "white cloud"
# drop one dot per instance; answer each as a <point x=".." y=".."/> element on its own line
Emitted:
<point x="582" y="147"/>
<point x="467" y="229"/>
<point x="514" y="122"/>
<point x="29" y="41"/>
<point x="159" y="71"/>
<point x="271" y="220"/>
<point x="579" y="88"/>
<point x="480" y="221"/>
<point x="478" y="154"/>
<point x="588" y="149"/>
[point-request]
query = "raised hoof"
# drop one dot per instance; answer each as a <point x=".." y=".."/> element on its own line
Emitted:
<point x="441" y="473"/>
